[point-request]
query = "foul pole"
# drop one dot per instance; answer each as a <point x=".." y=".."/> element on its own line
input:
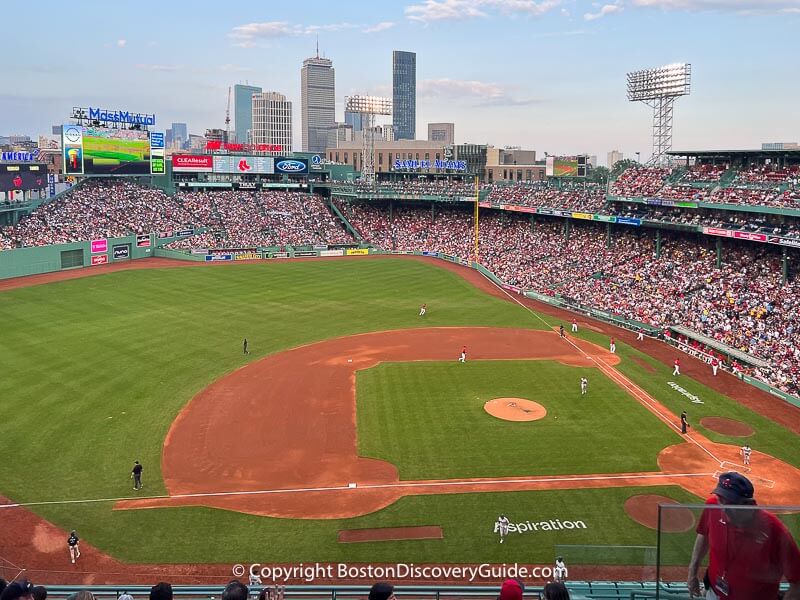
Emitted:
<point x="477" y="243"/>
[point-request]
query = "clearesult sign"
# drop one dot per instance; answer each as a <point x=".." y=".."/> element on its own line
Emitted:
<point x="187" y="163"/>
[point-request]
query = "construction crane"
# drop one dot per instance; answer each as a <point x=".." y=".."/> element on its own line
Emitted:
<point x="228" y="117"/>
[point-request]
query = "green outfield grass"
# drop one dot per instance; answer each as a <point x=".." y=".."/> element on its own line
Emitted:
<point x="96" y="369"/>
<point x="467" y="520"/>
<point x="428" y="420"/>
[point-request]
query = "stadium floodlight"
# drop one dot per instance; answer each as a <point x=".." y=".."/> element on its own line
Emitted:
<point x="658" y="88"/>
<point x="368" y="107"/>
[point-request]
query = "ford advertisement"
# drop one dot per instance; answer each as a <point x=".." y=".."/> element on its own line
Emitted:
<point x="291" y="166"/>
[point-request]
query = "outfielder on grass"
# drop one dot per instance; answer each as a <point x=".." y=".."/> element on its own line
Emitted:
<point x="502" y="527"/>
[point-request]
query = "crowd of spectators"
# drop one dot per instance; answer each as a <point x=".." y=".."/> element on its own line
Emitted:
<point x="249" y="219"/>
<point x="588" y="198"/>
<point x="116" y="208"/>
<point x="764" y="185"/>
<point x="98" y="209"/>
<point x="742" y="304"/>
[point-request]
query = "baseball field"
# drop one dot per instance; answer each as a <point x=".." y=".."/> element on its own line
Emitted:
<point x="351" y="432"/>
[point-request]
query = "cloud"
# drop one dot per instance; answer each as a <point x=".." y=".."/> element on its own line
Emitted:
<point x="249" y="34"/>
<point x="121" y="43"/>
<point x="430" y="11"/>
<point x="382" y="26"/>
<point x="164" y="68"/>
<point x="485" y="93"/>
<point x="736" y="6"/>
<point x="606" y="9"/>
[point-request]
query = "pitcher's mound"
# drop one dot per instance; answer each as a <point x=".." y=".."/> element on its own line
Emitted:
<point x="515" y="409"/>
<point x="644" y="510"/>
<point x="727" y="426"/>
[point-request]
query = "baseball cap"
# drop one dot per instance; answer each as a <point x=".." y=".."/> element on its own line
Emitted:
<point x="734" y="487"/>
<point x="381" y="591"/>
<point x="512" y="590"/>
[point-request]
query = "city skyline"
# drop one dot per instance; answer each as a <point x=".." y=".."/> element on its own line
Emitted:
<point x="547" y="75"/>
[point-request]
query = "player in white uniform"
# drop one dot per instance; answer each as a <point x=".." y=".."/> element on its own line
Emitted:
<point x="574" y="326"/>
<point x="560" y="570"/>
<point x="746" y="450"/>
<point x="584" y="385"/>
<point x="463" y="357"/>
<point x="502" y="527"/>
<point x="422" y="310"/>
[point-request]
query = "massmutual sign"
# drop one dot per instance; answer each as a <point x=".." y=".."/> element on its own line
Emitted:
<point x="113" y="116"/>
<point x="416" y="165"/>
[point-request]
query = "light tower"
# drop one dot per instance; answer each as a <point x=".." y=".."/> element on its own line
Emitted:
<point x="368" y="107"/>
<point x="658" y="88"/>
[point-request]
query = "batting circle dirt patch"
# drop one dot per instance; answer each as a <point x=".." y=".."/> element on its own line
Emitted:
<point x="727" y="426"/>
<point x="644" y="510"/>
<point x="515" y="409"/>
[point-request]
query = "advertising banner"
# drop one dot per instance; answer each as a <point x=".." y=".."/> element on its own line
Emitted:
<point x="604" y="218"/>
<point x="143" y="241"/>
<point x="305" y="253"/>
<point x="51" y="185"/>
<point x="629" y="221"/>
<point x="247" y="256"/>
<point x="100" y="259"/>
<point x="218" y="257"/>
<point x="544" y="211"/>
<point x="260" y="165"/>
<point x="746" y="235"/>
<point x="562" y="213"/>
<point x="121" y="251"/>
<point x="99" y="246"/>
<point x="429" y="253"/>
<point x="582" y="215"/>
<point x="18" y="178"/>
<point x="331" y="253"/>
<point x="357" y="251"/>
<point x="115" y="151"/>
<point x="192" y="163"/>
<point x="717" y="231"/>
<point x="157" y="163"/>
<point x="291" y="166"/>
<point x="72" y="142"/>
<point x="184" y="233"/>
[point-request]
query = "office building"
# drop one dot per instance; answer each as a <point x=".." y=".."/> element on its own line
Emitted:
<point x="353" y="119"/>
<point x="318" y="107"/>
<point x="180" y="134"/>
<point x="614" y="157"/>
<point x="242" y="110"/>
<point x="404" y="94"/>
<point x="272" y="121"/>
<point x="442" y="132"/>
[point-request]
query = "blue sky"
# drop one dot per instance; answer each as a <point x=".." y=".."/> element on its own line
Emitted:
<point x="542" y="74"/>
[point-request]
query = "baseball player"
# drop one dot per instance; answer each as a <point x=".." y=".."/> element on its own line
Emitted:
<point x="74" y="549"/>
<point x="560" y="570"/>
<point x="612" y="346"/>
<point x="463" y="357"/>
<point x="676" y="370"/>
<point x="502" y="527"/>
<point x="422" y="310"/>
<point x="714" y="365"/>
<point x="746" y="454"/>
<point x="244" y="346"/>
<point x="640" y="335"/>
<point x="136" y="475"/>
<point x="584" y="385"/>
<point x="574" y="326"/>
<point x="561" y="331"/>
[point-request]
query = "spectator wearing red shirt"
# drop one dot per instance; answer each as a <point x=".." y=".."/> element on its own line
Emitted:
<point x="751" y="550"/>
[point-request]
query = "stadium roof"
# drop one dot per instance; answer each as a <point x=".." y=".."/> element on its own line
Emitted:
<point x="730" y="152"/>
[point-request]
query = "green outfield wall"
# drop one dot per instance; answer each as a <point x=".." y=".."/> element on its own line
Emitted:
<point x="58" y="257"/>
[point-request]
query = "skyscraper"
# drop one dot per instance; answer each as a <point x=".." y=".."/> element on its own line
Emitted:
<point x="272" y="120"/>
<point x="243" y="110"/>
<point x="353" y="119"/>
<point x="404" y="94"/>
<point x="317" y="97"/>
<point x="614" y="157"/>
<point x="180" y="134"/>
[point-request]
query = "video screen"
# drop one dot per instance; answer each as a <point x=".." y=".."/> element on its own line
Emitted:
<point x="115" y="151"/>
